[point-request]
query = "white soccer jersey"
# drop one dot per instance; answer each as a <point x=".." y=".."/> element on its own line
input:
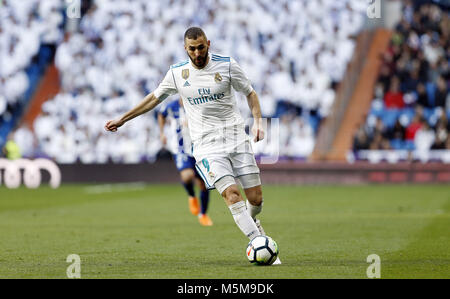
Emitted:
<point x="214" y="121"/>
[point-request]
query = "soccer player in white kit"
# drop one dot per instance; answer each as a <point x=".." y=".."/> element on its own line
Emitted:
<point x="221" y="147"/>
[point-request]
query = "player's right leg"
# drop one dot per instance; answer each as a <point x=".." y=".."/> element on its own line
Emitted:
<point x="245" y="166"/>
<point x="230" y="192"/>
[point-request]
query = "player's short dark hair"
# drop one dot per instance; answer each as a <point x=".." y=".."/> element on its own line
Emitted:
<point x="194" y="33"/>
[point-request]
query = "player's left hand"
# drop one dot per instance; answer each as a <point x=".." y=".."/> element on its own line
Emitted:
<point x="257" y="131"/>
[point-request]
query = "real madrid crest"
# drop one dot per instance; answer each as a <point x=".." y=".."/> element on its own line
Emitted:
<point x="211" y="175"/>
<point x="217" y="78"/>
<point x="185" y="74"/>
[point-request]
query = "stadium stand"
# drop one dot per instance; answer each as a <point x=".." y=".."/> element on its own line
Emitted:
<point x="29" y="32"/>
<point x="295" y="53"/>
<point x="408" y="119"/>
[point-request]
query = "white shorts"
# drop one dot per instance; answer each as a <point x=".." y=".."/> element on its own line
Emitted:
<point x="216" y="167"/>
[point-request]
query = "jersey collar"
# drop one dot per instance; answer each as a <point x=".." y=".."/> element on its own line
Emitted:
<point x="205" y="67"/>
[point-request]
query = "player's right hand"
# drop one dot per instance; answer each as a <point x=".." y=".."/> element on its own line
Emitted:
<point x="113" y="125"/>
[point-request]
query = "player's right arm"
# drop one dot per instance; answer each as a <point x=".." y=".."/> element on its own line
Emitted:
<point x="165" y="89"/>
<point x="147" y="104"/>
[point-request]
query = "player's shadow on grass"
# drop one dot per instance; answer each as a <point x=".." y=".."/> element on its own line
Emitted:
<point x="228" y="263"/>
<point x="239" y="264"/>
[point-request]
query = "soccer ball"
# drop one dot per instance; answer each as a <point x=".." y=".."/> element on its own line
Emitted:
<point x="262" y="250"/>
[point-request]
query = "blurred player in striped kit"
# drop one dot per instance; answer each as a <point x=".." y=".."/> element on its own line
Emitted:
<point x="180" y="145"/>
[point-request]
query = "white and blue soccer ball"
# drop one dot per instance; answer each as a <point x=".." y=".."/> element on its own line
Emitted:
<point x="262" y="250"/>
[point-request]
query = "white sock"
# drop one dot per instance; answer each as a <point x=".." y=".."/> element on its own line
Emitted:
<point x="254" y="210"/>
<point x="243" y="219"/>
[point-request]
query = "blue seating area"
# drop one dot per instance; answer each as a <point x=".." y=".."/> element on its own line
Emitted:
<point x="390" y="116"/>
<point x="313" y="118"/>
<point x="34" y="73"/>
<point x="415" y="76"/>
<point x="405" y="115"/>
<point x="399" y="144"/>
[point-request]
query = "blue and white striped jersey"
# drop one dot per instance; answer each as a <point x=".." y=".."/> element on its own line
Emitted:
<point x="178" y="139"/>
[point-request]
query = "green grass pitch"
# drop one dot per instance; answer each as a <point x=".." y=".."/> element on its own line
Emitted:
<point x="146" y="231"/>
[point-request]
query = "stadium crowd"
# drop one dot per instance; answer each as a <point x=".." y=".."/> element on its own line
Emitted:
<point x="411" y="106"/>
<point x="24" y="26"/>
<point x="295" y="52"/>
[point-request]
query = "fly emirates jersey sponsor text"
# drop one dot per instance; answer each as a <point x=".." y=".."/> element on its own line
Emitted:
<point x="215" y="124"/>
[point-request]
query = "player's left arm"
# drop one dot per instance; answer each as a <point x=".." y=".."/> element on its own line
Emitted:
<point x="255" y="108"/>
<point x="241" y="83"/>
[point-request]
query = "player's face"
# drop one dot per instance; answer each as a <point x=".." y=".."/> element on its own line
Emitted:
<point x="197" y="50"/>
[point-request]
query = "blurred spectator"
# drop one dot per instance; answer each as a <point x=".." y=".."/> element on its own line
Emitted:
<point x="413" y="127"/>
<point x="26" y="141"/>
<point x="397" y="132"/>
<point x="441" y="94"/>
<point x="394" y="97"/>
<point x="361" y="141"/>
<point x="424" y="137"/>
<point x="11" y="150"/>
<point x="302" y="141"/>
<point x="380" y="127"/>
<point x="440" y="136"/>
<point x="411" y="81"/>
<point x="379" y="142"/>
<point x="422" y="96"/>
<point x="385" y="77"/>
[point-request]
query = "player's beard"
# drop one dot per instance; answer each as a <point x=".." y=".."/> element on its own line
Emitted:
<point x="200" y="61"/>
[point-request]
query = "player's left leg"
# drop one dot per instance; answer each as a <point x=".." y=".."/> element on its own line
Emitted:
<point x="248" y="174"/>
<point x="203" y="218"/>
<point x="254" y="199"/>
<point x="187" y="176"/>
<point x="230" y="192"/>
<point x="251" y="183"/>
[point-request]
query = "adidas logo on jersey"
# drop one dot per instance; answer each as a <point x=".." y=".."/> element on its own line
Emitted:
<point x="186" y="84"/>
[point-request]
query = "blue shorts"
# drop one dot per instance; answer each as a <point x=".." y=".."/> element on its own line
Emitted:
<point x="183" y="161"/>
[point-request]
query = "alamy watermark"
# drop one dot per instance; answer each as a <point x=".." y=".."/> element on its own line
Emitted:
<point x="73" y="10"/>
<point x="374" y="269"/>
<point x="230" y="137"/>
<point x="74" y="269"/>
<point x="374" y="9"/>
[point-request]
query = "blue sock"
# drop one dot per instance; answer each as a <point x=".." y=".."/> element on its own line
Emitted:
<point x="189" y="189"/>
<point x="204" y="198"/>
